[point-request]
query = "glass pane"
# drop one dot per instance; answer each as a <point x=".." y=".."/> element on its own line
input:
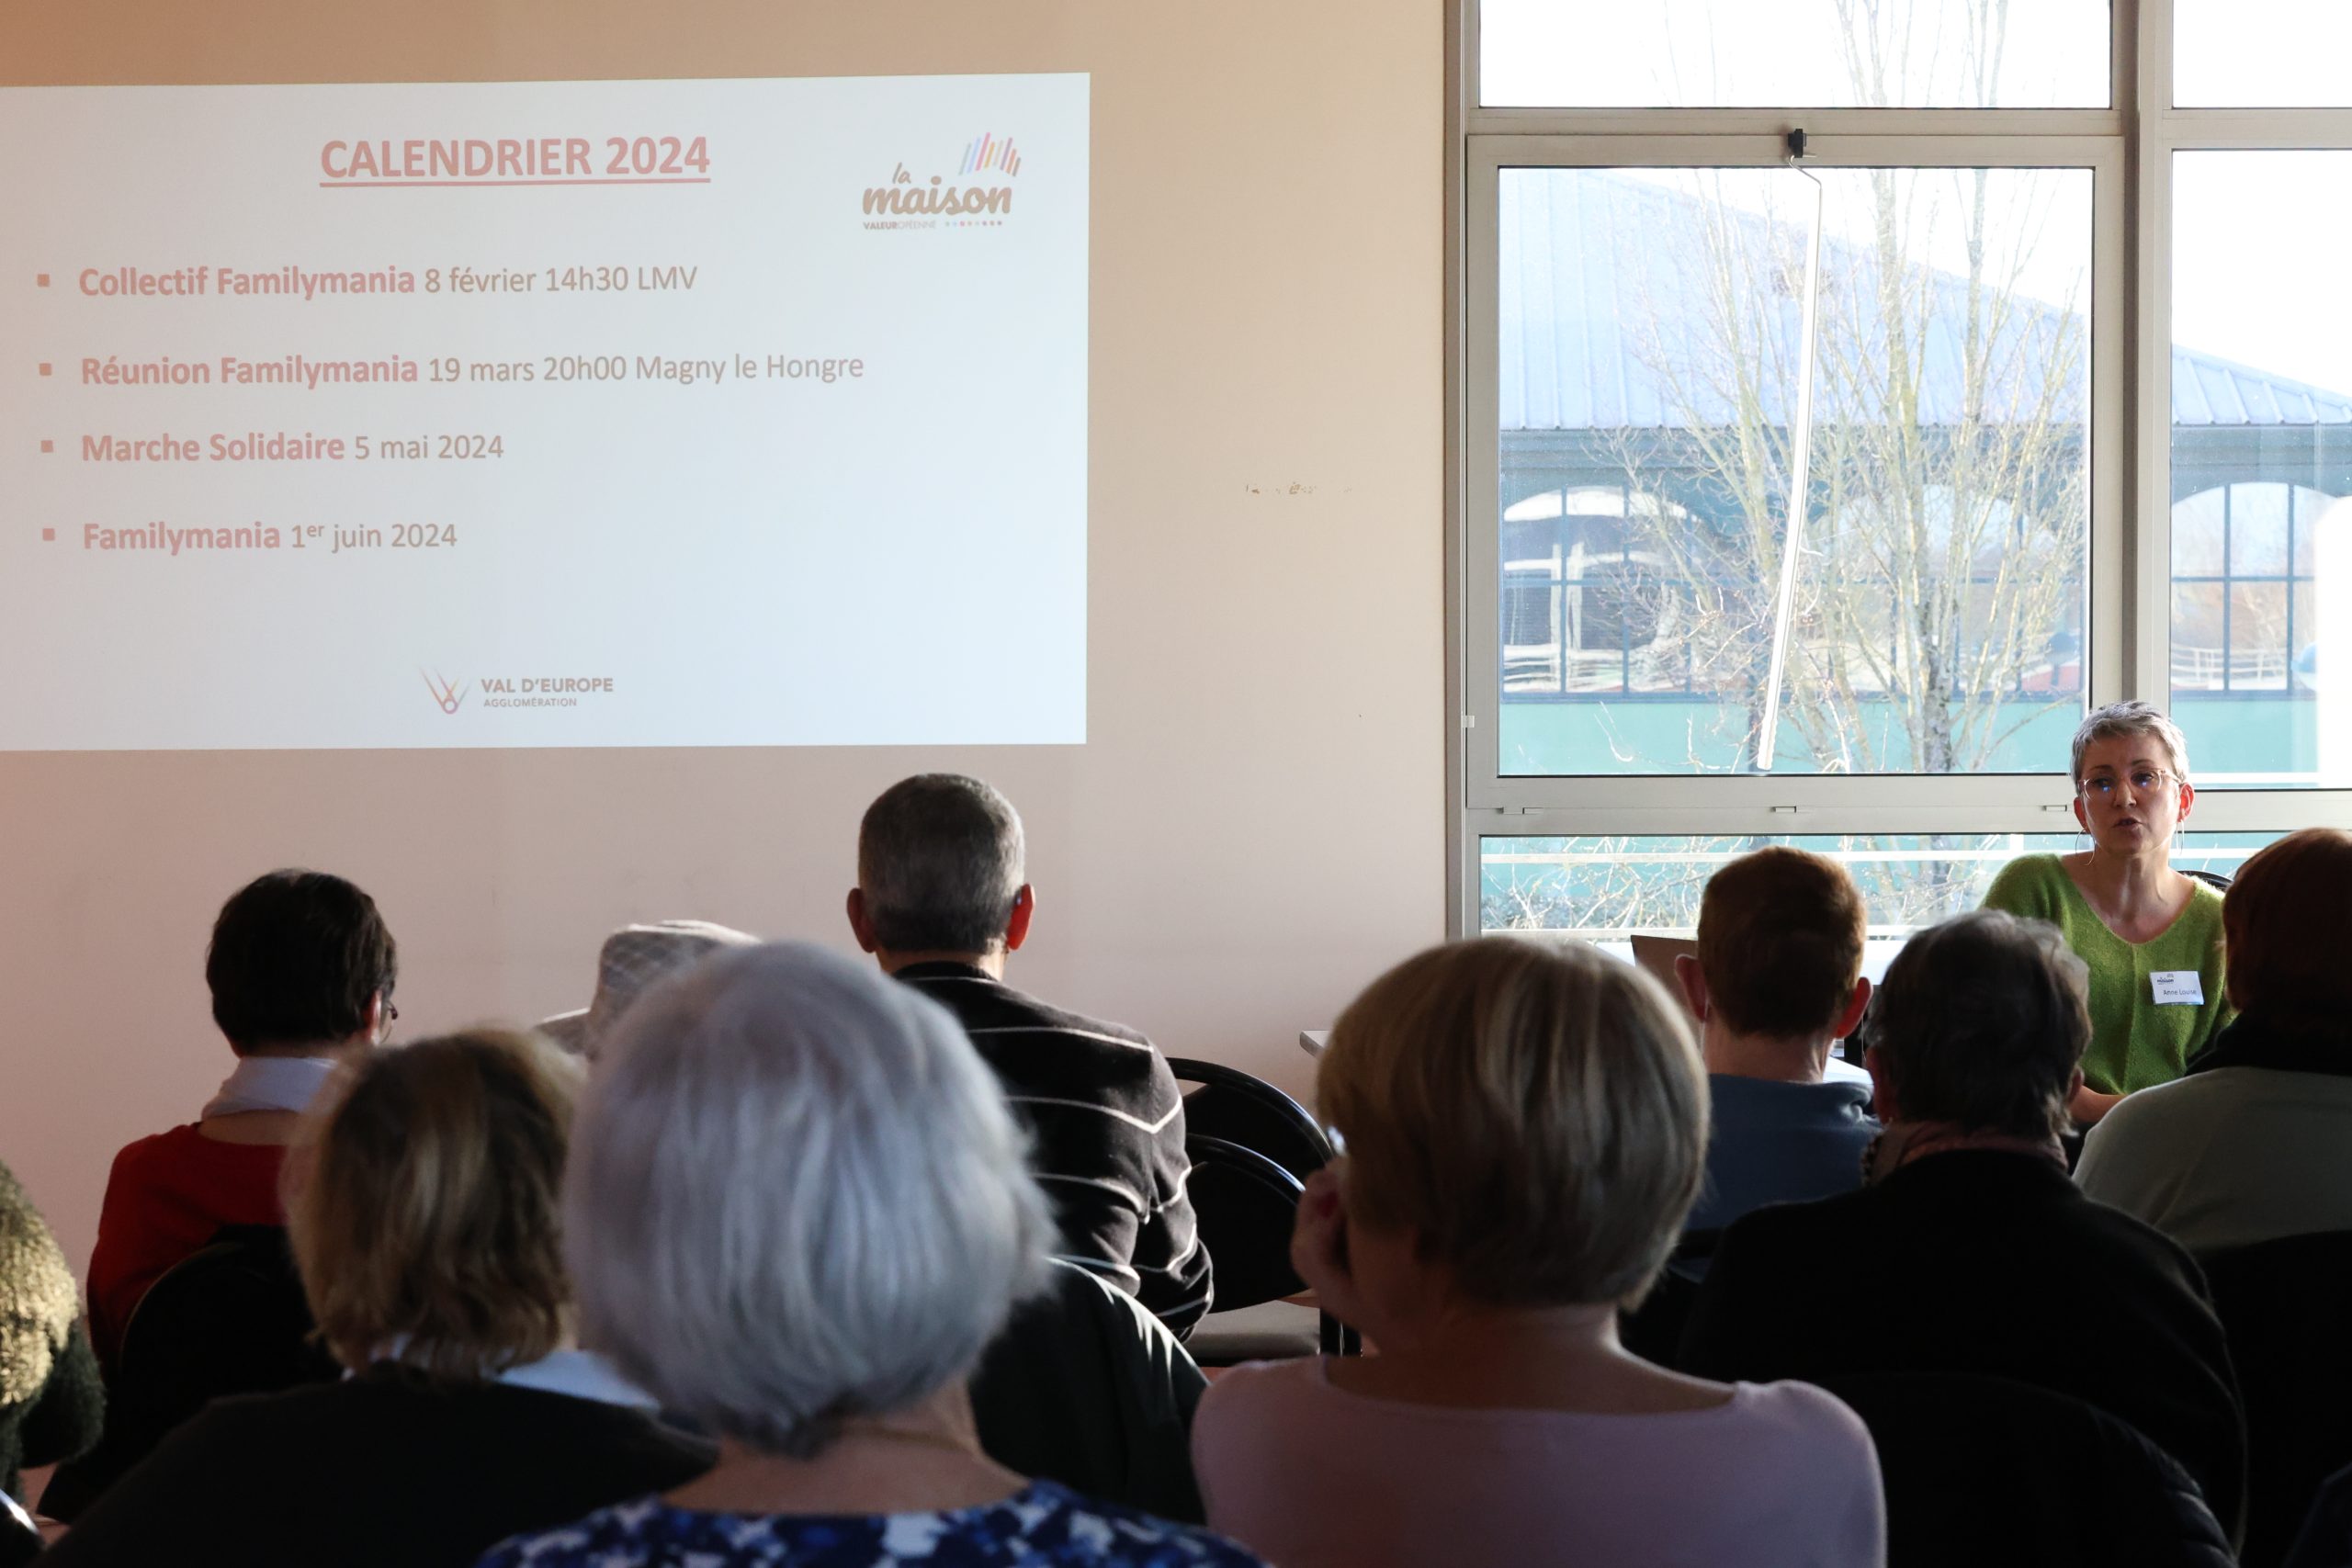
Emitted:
<point x="2257" y="529"/>
<point x="1606" y="890"/>
<point x="2258" y="636"/>
<point x="2261" y="463"/>
<point x="1763" y="54"/>
<point x="1651" y="332"/>
<point x="2261" y="53"/>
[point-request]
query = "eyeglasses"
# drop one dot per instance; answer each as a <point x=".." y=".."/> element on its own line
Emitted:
<point x="2144" y="781"/>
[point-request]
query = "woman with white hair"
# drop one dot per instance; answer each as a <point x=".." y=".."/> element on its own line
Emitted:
<point x="797" y="1213"/>
<point x="2151" y="935"/>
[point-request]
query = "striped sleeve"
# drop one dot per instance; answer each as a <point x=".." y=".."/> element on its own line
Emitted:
<point x="1106" y="1125"/>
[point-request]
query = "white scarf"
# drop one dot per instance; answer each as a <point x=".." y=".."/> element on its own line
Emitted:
<point x="272" y="1083"/>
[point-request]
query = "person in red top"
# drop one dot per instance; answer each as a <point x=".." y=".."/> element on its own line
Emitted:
<point x="300" y="968"/>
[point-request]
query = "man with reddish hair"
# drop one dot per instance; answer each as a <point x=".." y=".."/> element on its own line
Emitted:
<point x="1777" y="981"/>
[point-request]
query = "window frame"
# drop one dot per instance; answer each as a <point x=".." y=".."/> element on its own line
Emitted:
<point x="2128" y="147"/>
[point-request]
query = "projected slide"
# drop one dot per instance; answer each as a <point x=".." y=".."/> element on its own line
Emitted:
<point x="581" y="414"/>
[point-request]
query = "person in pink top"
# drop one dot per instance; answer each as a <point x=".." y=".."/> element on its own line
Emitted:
<point x="1523" y="1126"/>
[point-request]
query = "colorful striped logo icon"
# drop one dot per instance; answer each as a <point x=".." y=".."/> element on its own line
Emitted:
<point x="988" y="152"/>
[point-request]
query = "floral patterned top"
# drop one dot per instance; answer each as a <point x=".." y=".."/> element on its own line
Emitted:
<point x="1043" y="1525"/>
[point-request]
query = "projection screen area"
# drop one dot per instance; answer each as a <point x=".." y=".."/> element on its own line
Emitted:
<point x="566" y="413"/>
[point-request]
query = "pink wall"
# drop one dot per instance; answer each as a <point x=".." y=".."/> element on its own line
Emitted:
<point x="1255" y="825"/>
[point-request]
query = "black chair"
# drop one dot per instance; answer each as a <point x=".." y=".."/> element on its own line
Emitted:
<point x="1231" y="1104"/>
<point x="1238" y="1126"/>
<point x="228" y="1319"/>
<point x="1086" y="1387"/>
<point x="1653" y="1330"/>
<point x="2284" y="1304"/>
<point x="2211" y="878"/>
<point x="1245" y="1205"/>
<point x="1982" y="1471"/>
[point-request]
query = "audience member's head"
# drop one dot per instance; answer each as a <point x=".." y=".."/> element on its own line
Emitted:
<point x="631" y="960"/>
<point x="1779" y="955"/>
<point x="424" y="1214"/>
<point x="939" y="870"/>
<point x="799" y="1199"/>
<point x="1528" y="1118"/>
<point x="1980" y="1027"/>
<point x="299" y="959"/>
<point x="2286" y="930"/>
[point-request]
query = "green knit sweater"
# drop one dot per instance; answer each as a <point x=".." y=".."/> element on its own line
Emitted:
<point x="2136" y="1041"/>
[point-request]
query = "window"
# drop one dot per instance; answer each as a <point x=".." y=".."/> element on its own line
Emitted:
<point x="1815" y="500"/>
<point x="2262" y="54"/>
<point x="2261" y="463"/>
<point x="1648" y="355"/>
<point x="1607" y="889"/>
<point x="1720" y="53"/>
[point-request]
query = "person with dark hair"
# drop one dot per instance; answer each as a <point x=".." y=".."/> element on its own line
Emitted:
<point x="1776" y="982"/>
<point x="424" y="1205"/>
<point x="1970" y="1249"/>
<point x="940" y="900"/>
<point x="300" y="968"/>
<point x="2255" y="1143"/>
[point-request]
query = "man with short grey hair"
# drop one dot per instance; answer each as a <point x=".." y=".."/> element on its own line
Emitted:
<point x="940" y="900"/>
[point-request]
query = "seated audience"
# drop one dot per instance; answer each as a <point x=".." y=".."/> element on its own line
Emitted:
<point x="1971" y="1250"/>
<point x="1525" y="1126"/>
<point x="797" y="1216"/>
<point x="52" y="1403"/>
<point x="300" y="969"/>
<point x="1777" y="983"/>
<point x="424" y="1220"/>
<point x="2255" y="1143"/>
<point x="940" y="902"/>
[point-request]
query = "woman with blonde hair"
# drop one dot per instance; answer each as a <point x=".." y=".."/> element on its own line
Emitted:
<point x="2150" y="935"/>
<point x="1524" y="1127"/>
<point x="422" y="1199"/>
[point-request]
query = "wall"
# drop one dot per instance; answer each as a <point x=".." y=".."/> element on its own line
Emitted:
<point x="1256" y="823"/>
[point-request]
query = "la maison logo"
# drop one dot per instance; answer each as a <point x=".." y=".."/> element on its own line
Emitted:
<point x="449" y="696"/>
<point x="967" y="201"/>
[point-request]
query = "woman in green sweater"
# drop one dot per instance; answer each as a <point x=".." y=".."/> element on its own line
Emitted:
<point x="2151" y="935"/>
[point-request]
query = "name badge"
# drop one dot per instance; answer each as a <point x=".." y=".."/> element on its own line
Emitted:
<point x="2177" y="987"/>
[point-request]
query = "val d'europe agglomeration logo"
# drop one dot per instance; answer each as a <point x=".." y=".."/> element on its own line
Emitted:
<point x="974" y="197"/>
<point x="450" y="696"/>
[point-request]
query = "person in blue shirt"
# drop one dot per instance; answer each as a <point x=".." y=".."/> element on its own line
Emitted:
<point x="1777" y="982"/>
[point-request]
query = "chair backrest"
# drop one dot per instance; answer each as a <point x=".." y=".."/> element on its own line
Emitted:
<point x="1086" y="1387"/>
<point x="230" y="1319"/>
<point x="2284" y="1304"/>
<point x="2211" y="878"/>
<point x="1983" y="1469"/>
<point x="1241" y="1109"/>
<point x="1245" y="1206"/>
<point x="1653" y="1330"/>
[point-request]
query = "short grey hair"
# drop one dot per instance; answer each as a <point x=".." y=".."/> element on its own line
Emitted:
<point x="797" y="1196"/>
<point x="2130" y="719"/>
<point x="940" y="860"/>
<point x="1981" y="1023"/>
